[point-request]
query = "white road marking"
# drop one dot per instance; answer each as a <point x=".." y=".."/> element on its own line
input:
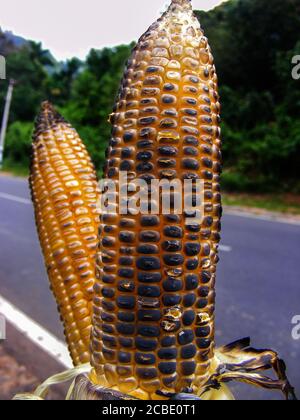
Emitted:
<point x="36" y="333"/>
<point x="15" y="198"/>
<point x="225" y="248"/>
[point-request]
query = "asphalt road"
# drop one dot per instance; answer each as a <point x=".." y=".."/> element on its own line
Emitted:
<point x="258" y="280"/>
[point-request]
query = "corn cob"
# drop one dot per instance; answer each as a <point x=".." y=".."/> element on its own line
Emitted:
<point x="65" y="193"/>
<point x="153" y="321"/>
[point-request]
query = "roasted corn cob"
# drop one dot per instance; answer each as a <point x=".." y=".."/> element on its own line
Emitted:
<point x="65" y="193"/>
<point x="153" y="310"/>
<point x="154" y="306"/>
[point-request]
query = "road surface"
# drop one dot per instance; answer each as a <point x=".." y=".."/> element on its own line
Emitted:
<point x="258" y="279"/>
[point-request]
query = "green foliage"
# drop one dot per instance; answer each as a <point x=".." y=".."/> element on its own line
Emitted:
<point x="253" y="42"/>
<point x="18" y="143"/>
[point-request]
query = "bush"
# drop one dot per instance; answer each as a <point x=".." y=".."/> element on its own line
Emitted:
<point x="18" y="144"/>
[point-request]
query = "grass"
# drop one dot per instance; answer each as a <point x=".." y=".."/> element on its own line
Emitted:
<point x="15" y="169"/>
<point x="283" y="203"/>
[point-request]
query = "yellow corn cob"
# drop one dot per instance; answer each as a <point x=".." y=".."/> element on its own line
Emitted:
<point x="65" y="193"/>
<point x="153" y="322"/>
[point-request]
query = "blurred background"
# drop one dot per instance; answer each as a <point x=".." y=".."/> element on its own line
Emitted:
<point x="254" y="43"/>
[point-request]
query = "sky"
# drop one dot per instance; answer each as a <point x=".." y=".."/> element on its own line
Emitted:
<point x="71" y="28"/>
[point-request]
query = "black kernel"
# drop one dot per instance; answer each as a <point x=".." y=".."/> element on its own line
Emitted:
<point x="194" y="79"/>
<point x="172" y="246"/>
<point x="126" y="302"/>
<point x="149" y="277"/>
<point x="191" y="141"/>
<point x="169" y="87"/>
<point x="145" y="345"/>
<point x="173" y="260"/>
<point x="128" y="136"/>
<point x="186" y="337"/>
<point x="144" y="144"/>
<point x="108" y="242"/>
<point x="168" y="341"/>
<point x="188" y="318"/>
<point x="168" y="99"/>
<point x="149" y="315"/>
<point x="144" y="156"/>
<point x="203" y="343"/>
<point x="149" y="221"/>
<point x="167" y="368"/>
<point x="127" y="237"/>
<point x="126" y="329"/>
<point x="108" y="329"/>
<point x="108" y="293"/>
<point x="173" y="218"/>
<point x="147" y="120"/>
<point x="191" y="282"/>
<point x="148" y="263"/>
<point x="169" y="381"/>
<point x="191" y="151"/>
<point x="149" y="236"/>
<point x="147" y="132"/>
<point x="126" y="342"/>
<point x="126" y="165"/>
<point x="191" y="164"/>
<point x="172" y="285"/>
<point x="127" y="250"/>
<point x="126" y="316"/>
<point x="206" y="277"/>
<point x="193" y="228"/>
<point x="202" y="303"/>
<point x="171" y="300"/>
<point x="188" y="352"/>
<point x="145" y="359"/>
<point x="149" y="291"/>
<point x="152" y="69"/>
<point x="108" y="354"/>
<point x="168" y="151"/>
<point x="192" y="264"/>
<point x="148" y="331"/>
<point x="191" y="112"/>
<point x="173" y="232"/>
<point x="146" y="373"/>
<point x="192" y="249"/>
<point x="108" y="306"/>
<point x="126" y="261"/>
<point x="168" y="353"/>
<point x="189" y="300"/>
<point x="144" y="167"/>
<point x="147" y="249"/>
<point x="109" y="341"/>
<point x="188" y="368"/>
<point x="124" y="357"/>
<point x="127" y="273"/>
<point x="203" y="332"/>
<point x="204" y="291"/>
<point x="126" y="153"/>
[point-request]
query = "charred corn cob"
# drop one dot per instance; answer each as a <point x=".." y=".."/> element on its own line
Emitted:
<point x="153" y="322"/>
<point x="153" y="307"/>
<point x="64" y="191"/>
